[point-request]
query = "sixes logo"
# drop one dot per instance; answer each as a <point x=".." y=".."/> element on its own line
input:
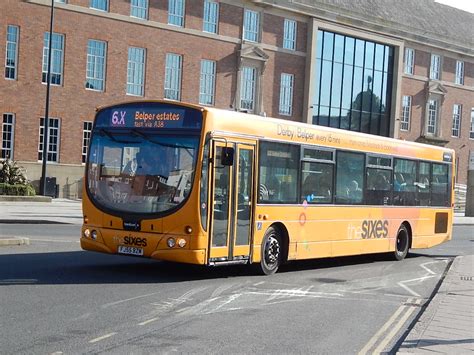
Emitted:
<point x="369" y="229"/>
<point x="131" y="241"/>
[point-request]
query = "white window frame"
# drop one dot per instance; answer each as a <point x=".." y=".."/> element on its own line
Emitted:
<point x="285" y="106"/>
<point x="8" y="137"/>
<point x="136" y="71"/>
<point x="86" y="137"/>
<point x="406" y="113"/>
<point x="173" y="75"/>
<point x="94" y="62"/>
<point x="433" y="114"/>
<point x="290" y="31"/>
<point x="248" y="88"/>
<point x="251" y="26"/>
<point x="139" y="9"/>
<point x="56" y="55"/>
<point x="210" y="17"/>
<point x="52" y="129"/>
<point x="96" y="5"/>
<point x="176" y="12"/>
<point x="457" y="116"/>
<point x="207" y="82"/>
<point x="459" y="72"/>
<point x="8" y="53"/>
<point x="61" y="1"/>
<point x="409" y="61"/>
<point x="435" y="67"/>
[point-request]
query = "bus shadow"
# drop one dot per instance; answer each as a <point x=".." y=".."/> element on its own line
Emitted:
<point x="79" y="267"/>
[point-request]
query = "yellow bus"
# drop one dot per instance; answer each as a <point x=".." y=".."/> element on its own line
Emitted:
<point x="192" y="184"/>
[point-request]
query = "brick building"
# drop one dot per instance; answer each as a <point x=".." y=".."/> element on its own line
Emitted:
<point x="376" y="67"/>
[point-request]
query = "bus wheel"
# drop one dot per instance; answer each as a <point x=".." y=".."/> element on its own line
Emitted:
<point x="271" y="251"/>
<point x="402" y="243"/>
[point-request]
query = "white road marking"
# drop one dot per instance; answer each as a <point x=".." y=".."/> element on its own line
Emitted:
<point x="401" y="284"/>
<point x="128" y="299"/>
<point x="148" y="321"/>
<point x="396" y="328"/>
<point x="101" y="338"/>
<point x="387" y="324"/>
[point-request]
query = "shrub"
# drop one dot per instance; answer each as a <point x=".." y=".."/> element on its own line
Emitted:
<point x="12" y="174"/>
<point x="17" y="190"/>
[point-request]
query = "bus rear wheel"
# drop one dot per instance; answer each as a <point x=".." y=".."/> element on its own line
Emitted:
<point x="272" y="251"/>
<point x="402" y="243"/>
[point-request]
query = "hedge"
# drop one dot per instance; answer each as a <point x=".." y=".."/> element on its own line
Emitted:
<point x="17" y="190"/>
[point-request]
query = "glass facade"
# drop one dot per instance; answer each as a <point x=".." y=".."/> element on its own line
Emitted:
<point x="353" y="84"/>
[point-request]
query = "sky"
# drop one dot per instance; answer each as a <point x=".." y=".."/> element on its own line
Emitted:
<point x="466" y="5"/>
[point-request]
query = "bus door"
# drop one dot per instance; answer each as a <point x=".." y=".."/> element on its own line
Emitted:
<point x="231" y="202"/>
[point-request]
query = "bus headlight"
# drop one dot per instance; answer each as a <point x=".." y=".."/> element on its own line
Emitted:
<point x="182" y="243"/>
<point x="87" y="233"/>
<point x="94" y="234"/>
<point x="171" y="242"/>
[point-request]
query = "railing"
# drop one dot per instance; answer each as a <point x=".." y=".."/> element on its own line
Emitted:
<point x="460" y="197"/>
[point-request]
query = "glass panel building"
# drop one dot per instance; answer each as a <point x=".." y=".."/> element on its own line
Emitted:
<point x="353" y="84"/>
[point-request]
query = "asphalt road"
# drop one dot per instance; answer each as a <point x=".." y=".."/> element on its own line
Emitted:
<point x="56" y="298"/>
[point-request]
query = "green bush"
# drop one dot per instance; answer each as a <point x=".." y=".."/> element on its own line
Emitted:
<point x="17" y="190"/>
<point x="11" y="173"/>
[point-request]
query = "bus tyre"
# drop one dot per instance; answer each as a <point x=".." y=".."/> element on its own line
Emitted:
<point x="402" y="243"/>
<point x="272" y="251"/>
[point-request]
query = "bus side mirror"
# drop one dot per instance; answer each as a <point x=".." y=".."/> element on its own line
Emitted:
<point x="227" y="158"/>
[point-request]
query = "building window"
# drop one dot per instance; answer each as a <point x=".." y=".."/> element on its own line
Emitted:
<point x="60" y="1"/>
<point x="409" y="61"/>
<point x="433" y="107"/>
<point x="286" y="94"/>
<point x="95" y="70"/>
<point x="173" y="76"/>
<point x="471" y="131"/>
<point x="176" y="12"/>
<point x="56" y="58"/>
<point x="53" y="140"/>
<point x="139" y="8"/>
<point x="406" y="113"/>
<point x="207" y="82"/>
<point x="11" y="53"/>
<point x="251" y="25"/>
<point x="247" y="88"/>
<point x="435" y="67"/>
<point x="459" y="72"/>
<point x="210" y="17"/>
<point x="8" y="128"/>
<point x="86" y="137"/>
<point x="289" y="34"/>
<point x="457" y="111"/>
<point x="99" y="5"/>
<point x="353" y="84"/>
<point x="136" y="71"/>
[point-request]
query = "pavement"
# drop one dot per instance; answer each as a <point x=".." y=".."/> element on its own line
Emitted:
<point x="446" y="325"/>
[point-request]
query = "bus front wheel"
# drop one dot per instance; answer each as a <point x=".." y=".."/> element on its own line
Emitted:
<point x="402" y="243"/>
<point x="272" y="251"/>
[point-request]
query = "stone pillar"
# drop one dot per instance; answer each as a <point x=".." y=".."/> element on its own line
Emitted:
<point x="470" y="186"/>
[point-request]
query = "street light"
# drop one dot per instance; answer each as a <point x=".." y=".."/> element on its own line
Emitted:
<point x="46" y="113"/>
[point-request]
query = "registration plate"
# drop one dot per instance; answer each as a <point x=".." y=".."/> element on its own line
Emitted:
<point x="123" y="249"/>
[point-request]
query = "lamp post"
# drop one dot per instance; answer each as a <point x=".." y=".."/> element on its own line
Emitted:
<point x="46" y="113"/>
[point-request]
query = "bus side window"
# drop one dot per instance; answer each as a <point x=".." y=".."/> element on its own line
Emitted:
<point x="439" y="185"/>
<point x="379" y="186"/>
<point x="349" y="177"/>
